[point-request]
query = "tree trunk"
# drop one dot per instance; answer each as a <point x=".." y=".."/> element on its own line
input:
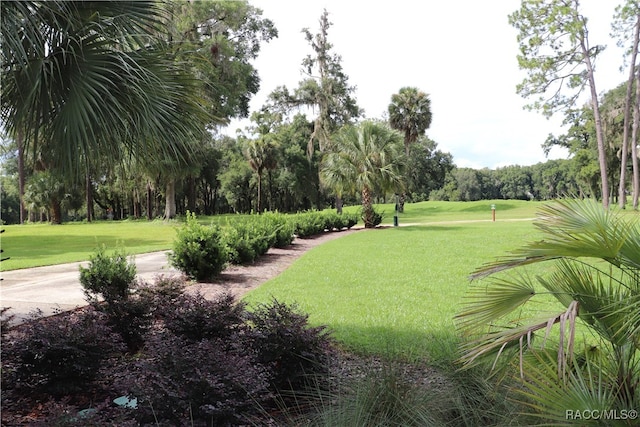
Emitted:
<point x="602" y="159"/>
<point x="259" y="192"/>
<point x="56" y="211"/>
<point x="170" y="199"/>
<point x="21" y="175"/>
<point x="149" y="201"/>
<point x="367" y="209"/>
<point x="89" y="197"/>
<point x="191" y="194"/>
<point x="634" y="144"/>
<point x="339" y="204"/>
<point x="401" y="201"/>
<point x="622" y="189"/>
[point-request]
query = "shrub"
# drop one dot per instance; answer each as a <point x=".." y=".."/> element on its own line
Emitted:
<point x="62" y="353"/>
<point x="206" y="381"/>
<point x="5" y="321"/>
<point x="283" y="227"/>
<point x="309" y="224"/>
<point x="199" y="251"/>
<point x="196" y="318"/>
<point x="376" y="218"/>
<point x="294" y="352"/>
<point x="247" y="240"/>
<point x="336" y="221"/>
<point x="112" y="278"/>
<point x="165" y="292"/>
<point x="349" y="220"/>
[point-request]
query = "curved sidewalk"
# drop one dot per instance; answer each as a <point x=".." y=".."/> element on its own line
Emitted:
<point x="57" y="287"/>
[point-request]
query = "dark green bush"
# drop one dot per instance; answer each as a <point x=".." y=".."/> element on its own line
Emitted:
<point x="376" y="218"/>
<point x="240" y="250"/>
<point x="294" y="352"/>
<point x="196" y="318"/>
<point x="205" y="382"/>
<point x="282" y="226"/>
<point x="336" y="221"/>
<point x="314" y="222"/>
<point x="199" y="251"/>
<point x="109" y="286"/>
<point x="252" y="237"/>
<point x="309" y="224"/>
<point x="350" y="219"/>
<point x="248" y="239"/>
<point x="110" y="277"/>
<point x="60" y="355"/>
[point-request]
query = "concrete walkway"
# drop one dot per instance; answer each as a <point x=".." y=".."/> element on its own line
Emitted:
<point x="57" y="288"/>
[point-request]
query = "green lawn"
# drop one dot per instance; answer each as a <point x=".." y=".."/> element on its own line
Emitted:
<point x="33" y="245"/>
<point x="429" y="212"/>
<point x="395" y="291"/>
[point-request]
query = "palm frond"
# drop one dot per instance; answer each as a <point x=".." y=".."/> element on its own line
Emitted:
<point x="81" y="78"/>
<point x="495" y="342"/>
<point x="486" y="304"/>
<point x="583" y="388"/>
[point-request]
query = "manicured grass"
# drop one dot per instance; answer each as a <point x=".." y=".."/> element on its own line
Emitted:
<point x="429" y="212"/>
<point x="395" y="291"/>
<point x="33" y="245"/>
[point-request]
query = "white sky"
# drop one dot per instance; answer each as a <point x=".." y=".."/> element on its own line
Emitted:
<point x="462" y="53"/>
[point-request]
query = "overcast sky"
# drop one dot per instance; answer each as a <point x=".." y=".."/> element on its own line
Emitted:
<point x="462" y="53"/>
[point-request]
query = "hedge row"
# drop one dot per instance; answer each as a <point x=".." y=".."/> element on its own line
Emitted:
<point x="202" y="252"/>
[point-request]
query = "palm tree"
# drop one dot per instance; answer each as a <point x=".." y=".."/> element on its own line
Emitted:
<point x="595" y="276"/>
<point x="366" y="158"/>
<point x="92" y="77"/>
<point x="262" y="155"/>
<point x="410" y="113"/>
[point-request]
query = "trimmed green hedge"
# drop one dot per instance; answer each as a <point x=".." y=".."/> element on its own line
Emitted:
<point x="314" y="222"/>
<point x="202" y="252"/>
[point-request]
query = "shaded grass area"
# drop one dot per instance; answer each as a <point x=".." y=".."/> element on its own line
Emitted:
<point x="394" y="292"/>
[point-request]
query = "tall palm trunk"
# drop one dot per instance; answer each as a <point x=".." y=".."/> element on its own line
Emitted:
<point x="149" y="201"/>
<point x="259" y="204"/>
<point x="21" y="174"/>
<point x="339" y="205"/>
<point x="170" y="199"/>
<point x="367" y="209"/>
<point x="56" y="211"/>
<point x="89" y="197"/>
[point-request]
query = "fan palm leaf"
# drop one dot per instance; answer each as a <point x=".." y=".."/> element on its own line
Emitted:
<point x="88" y="77"/>
<point x="593" y="256"/>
